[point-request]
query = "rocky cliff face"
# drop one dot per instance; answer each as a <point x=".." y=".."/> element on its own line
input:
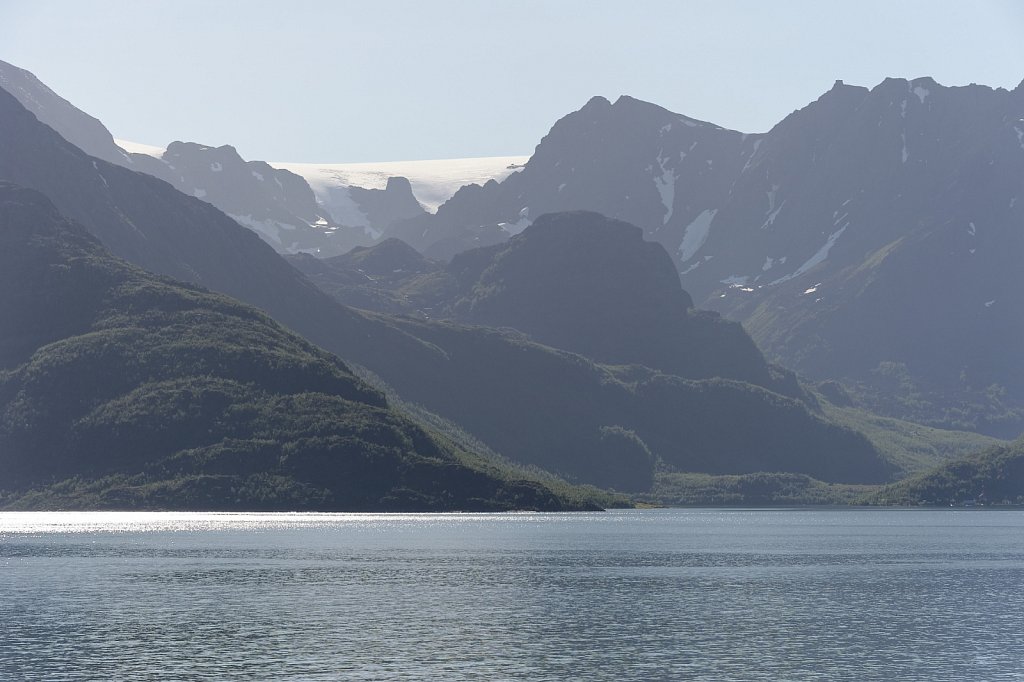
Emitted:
<point x="869" y="233"/>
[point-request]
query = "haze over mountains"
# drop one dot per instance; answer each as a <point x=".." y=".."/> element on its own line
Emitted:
<point x="870" y="236"/>
<point x="558" y="334"/>
<point x="352" y="204"/>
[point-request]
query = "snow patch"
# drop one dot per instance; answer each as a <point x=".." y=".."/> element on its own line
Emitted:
<point x="258" y="176"/>
<point x="736" y="280"/>
<point x="666" y="186"/>
<point x="519" y="225"/>
<point x="433" y="181"/>
<point x="692" y="267"/>
<point x="972" y="230"/>
<point x="199" y="193"/>
<point x="906" y="155"/>
<point x="561" y="187"/>
<point x="753" y="153"/>
<point x="922" y="93"/>
<point x="103" y="179"/>
<point x="344" y="209"/>
<point x="988" y="304"/>
<point x="139" y="148"/>
<point x="696" y="234"/>
<point x="819" y="257"/>
<point x="768" y="263"/>
<point x="216" y="167"/>
<point x="269" y="230"/>
<point x="773" y="210"/>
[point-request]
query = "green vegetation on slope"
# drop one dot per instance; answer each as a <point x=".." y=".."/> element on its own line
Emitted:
<point x="120" y="389"/>
<point x="757" y="489"/>
<point x="911" y="448"/>
<point x="994" y="476"/>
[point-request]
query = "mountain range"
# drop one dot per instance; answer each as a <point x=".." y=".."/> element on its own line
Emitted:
<point x="607" y="425"/>
<point x="277" y="204"/>
<point x="869" y="237"/>
<point x="119" y="388"/>
<point x="562" y="340"/>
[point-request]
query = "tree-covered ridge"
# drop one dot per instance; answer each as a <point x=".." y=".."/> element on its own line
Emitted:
<point x="993" y="476"/>
<point x="121" y="389"/>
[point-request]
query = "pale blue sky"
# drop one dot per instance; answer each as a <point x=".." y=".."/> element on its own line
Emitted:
<point x="319" y="81"/>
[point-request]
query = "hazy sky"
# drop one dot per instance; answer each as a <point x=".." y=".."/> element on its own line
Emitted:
<point x="311" y="80"/>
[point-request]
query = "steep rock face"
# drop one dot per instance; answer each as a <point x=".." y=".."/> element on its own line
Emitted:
<point x="276" y="204"/>
<point x="150" y="224"/>
<point x="153" y="393"/>
<point x="621" y="160"/>
<point x="574" y="280"/>
<point x="77" y="127"/>
<point x="385" y="207"/>
<point x="873" y="229"/>
<point x="530" y="403"/>
<point x="592" y="285"/>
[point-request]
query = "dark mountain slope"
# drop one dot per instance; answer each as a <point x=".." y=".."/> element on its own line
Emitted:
<point x="873" y="231"/>
<point x="155" y="394"/>
<point x="591" y="285"/>
<point x="576" y="281"/>
<point x="150" y="224"/>
<point x="484" y="381"/>
<point x="562" y="412"/>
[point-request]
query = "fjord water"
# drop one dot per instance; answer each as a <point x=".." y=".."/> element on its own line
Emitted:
<point x="621" y="595"/>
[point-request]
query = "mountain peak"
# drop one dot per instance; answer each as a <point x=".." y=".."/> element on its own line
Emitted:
<point x="74" y="125"/>
<point x="225" y="151"/>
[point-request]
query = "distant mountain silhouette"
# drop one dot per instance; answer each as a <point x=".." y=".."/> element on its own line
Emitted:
<point x="605" y="425"/>
<point x="277" y="204"/>
<point x="870" y="235"/>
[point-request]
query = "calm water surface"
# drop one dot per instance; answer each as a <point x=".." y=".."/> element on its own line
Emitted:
<point x="624" y="595"/>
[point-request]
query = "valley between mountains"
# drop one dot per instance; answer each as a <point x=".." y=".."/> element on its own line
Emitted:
<point x="649" y="308"/>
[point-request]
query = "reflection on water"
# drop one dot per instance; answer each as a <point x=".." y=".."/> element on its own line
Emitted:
<point x="630" y="595"/>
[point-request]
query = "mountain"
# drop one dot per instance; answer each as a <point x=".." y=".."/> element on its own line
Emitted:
<point x="576" y="281"/>
<point x="611" y="426"/>
<point x="76" y="126"/>
<point x="123" y="389"/>
<point x="433" y="181"/>
<point x="868" y="237"/>
<point x="371" y="277"/>
<point x="993" y="476"/>
<point x="277" y="204"/>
